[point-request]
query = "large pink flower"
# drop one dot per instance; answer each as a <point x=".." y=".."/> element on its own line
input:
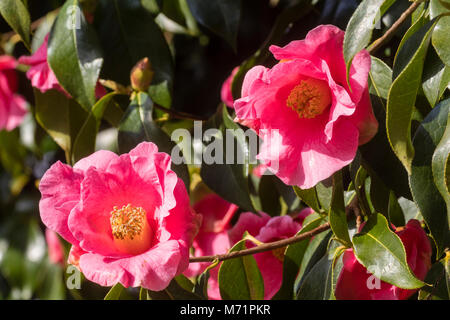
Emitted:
<point x="212" y="237"/>
<point x="127" y="217"/>
<point x="304" y="110"/>
<point x="353" y="280"/>
<point x="13" y="107"/>
<point x="266" y="229"/>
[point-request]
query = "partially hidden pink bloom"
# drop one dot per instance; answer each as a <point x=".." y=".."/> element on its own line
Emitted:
<point x="212" y="237"/>
<point x="225" y="92"/>
<point x="310" y="120"/>
<point x="55" y="248"/>
<point x="40" y="73"/>
<point x="301" y="216"/>
<point x="259" y="170"/>
<point x="266" y="229"/>
<point x="127" y="217"/>
<point x="42" y="76"/>
<point x="353" y="280"/>
<point x="13" y="106"/>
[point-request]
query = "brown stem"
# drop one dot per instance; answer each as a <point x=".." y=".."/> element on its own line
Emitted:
<point x="377" y="44"/>
<point x="263" y="247"/>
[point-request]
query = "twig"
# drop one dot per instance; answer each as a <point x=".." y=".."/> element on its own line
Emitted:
<point x="377" y="44"/>
<point x="351" y="208"/>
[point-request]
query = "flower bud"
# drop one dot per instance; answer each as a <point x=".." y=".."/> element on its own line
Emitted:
<point x="141" y="75"/>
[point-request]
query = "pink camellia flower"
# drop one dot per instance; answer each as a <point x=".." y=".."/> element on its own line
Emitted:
<point x="13" y="106"/>
<point x="353" y="280"/>
<point x="310" y="120"/>
<point x="212" y="237"/>
<point x="55" y="248"/>
<point x="127" y="217"/>
<point x="266" y="229"/>
<point x="225" y="92"/>
<point x="301" y="216"/>
<point x="42" y="76"/>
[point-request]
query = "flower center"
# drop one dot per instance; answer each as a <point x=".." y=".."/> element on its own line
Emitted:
<point x="279" y="253"/>
<point x="310" y="98"/>
<point x="130" y="228"/>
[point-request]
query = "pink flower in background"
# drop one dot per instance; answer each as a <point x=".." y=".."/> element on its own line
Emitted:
<point x="306" y="99"/>
<point x="225" y="92"/>
<point x="42" y="76"/>
<point x="266" y="229"/>
<point x="55" y="248"/>
<point x="301" y="216"/>
<point x="13" y="106"/>
<point x="128" y="217"/>
<point x="212" y="237"/>
<point x="352" y="281"/>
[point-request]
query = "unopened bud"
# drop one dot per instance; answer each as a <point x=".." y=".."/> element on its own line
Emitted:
<point x="142" y="75"/>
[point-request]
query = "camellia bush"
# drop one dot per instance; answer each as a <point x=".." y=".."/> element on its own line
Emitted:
<point x="225" y="149"/>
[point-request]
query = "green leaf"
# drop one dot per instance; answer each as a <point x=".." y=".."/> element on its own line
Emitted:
<point x="395" y="212"/>
<point x="269" y="196"/>
<point x="403" y="92"/>
<point x="114" y="292"/>
<point x="337" y="215"/>
<point x="439" y="277"/>
<point x="378" y="248"/>
<point x="293" y="258"/>
<point x="442" y="30"/>
<point x="240" y="278"/>
<point x="436" y="77"/>
<point x="12" y="152"/>
<point x="137" y="125"/>
<point x="441" y="167"/>
<point x="424" y="190"/>
<point x="308" y="196"/>
<point x="74" y="54"/>
<point x="61" y="118"/>
<point x="230" y="181"/>
<point x="84" y="143"/>
<point x="359" y="29"/>
<point x="380" y="78"/>
<point x="318" y="284"/>
<point x="16" y="15"/>
<point x="221" y="17"/>
<point x="129" y="33"/>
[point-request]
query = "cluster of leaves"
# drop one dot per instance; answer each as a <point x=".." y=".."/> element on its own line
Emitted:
<point x="403" y="173"/>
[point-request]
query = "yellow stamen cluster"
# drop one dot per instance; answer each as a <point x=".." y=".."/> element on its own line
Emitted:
<point x="127" y="222"/>
<point x="309" y="98"/>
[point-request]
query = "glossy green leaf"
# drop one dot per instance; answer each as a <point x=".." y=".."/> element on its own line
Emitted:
<point x="359" y="29"/>
<point x="441" y="167"/>
<point x="309" y="196"/>
<point x="129" y="33"/>
<point x="403" y="92"/>
<point x="436" y="77"/>
<point x="442" y="30"/>
<point x="61" y="118"/>
<point x="12" y="152"/>
<point x="221" y="17"/>
<point x="380" y="78"/>
<point x="378" y="248"/>
<point x="240" y="278"/>
<point x="425" y="193"/>
<point x="137" y="126"/>
<point x="16" y="15"/>
<point x="74" y="54"/>
<point x="114" y="292"/>
<point x="395" y="212"/>
<point x="337" y="216"/>
<point x="318" y="284"/>
<point x="84" y="143"/>
<point x="293" y="259"/>
<point x="439" y="278"/>
<point x="230" y="181"/>
<point x="269" y="196"/>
